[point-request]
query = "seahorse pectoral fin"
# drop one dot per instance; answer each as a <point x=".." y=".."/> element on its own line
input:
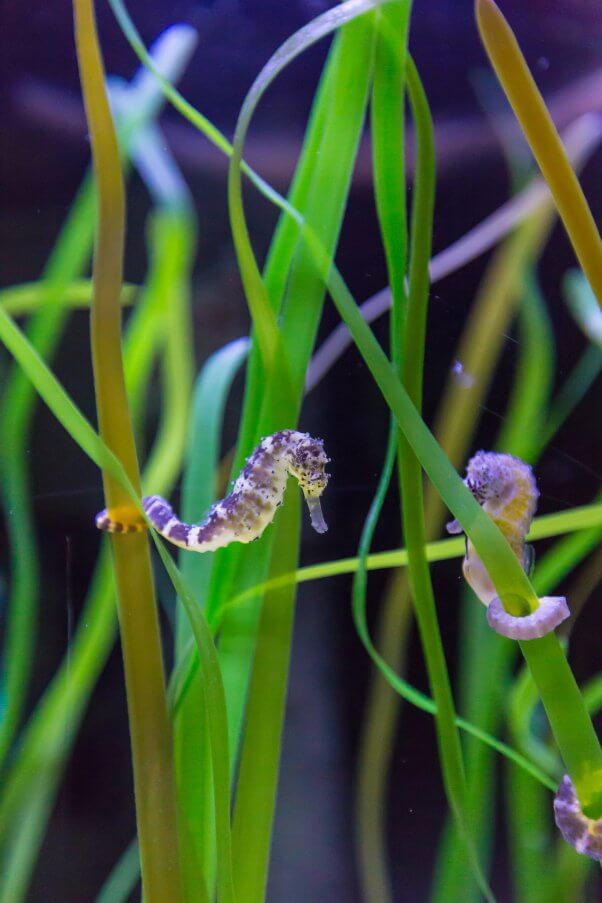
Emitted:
<point x="315" y="513"/>
<point x="528" y="559"/>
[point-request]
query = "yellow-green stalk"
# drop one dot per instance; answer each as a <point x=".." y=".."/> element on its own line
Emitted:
<point x="539" y="130"/>
<point x="141" y="645"/>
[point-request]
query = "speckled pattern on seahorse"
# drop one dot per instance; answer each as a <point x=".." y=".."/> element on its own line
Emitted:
<point x="583" y="833"/>
<point x="505" y="488"/>
<point x="245" y="513"/>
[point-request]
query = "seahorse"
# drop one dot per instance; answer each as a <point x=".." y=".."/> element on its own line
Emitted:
<point x="244" y="514"/>
<point x="583" y="833"/>
<point x="505" y="488"/>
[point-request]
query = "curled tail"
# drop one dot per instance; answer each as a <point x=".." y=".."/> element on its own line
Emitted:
<point x="118" y="521"/>
<point x="158" y="511"/>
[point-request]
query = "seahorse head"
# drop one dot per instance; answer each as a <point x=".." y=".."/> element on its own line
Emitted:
<point x="490" y="476"/>
<point x="307" y="464"/>
<point x="505" y="487"/>
<point x="498" y="481"/>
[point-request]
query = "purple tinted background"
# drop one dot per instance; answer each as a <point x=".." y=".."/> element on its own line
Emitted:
<point x="43" y="152"/>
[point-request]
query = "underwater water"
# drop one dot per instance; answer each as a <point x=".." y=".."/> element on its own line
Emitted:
<point x="264" y="750"/>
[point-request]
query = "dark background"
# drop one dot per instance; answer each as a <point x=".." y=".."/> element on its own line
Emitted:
<point x="43" y="154"/>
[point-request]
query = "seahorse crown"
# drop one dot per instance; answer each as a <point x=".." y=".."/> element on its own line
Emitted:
<point x="503" y="485"/>
<point x="308" y="464"/>
<point x="505" y="488"/>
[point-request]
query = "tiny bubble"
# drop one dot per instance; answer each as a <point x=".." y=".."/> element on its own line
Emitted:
<point x="543" y="63"/>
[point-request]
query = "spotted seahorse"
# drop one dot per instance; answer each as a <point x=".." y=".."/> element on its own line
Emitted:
<point x="244" y="514"/>
<point x="505" y="488"/>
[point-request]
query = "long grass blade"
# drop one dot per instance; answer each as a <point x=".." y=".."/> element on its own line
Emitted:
<point x="50" y="298"/>
<point x="538" y="128"/>
<point x="484" y="658"/>
<point x="150" y="729"/>
<point x="66" y="412"/>
<point x="564" y="706"/>
<point x="123" y="879"/>
<point x="28" y="297"/>
<point x="583" y="305"/>
<point x="186" y="109"/>
<point x="199" y="490"/>
<point x="79" y="428"/>
<point x="138" y="104"/>
<point x="410" y="479"/>
<point x="529" y="829"/>
<point x="584" y="522"/>
<point x="346" y="100"/>
<point x="260" y="754"/>
<point x="421" y="701"/>
<point x="388" y="140"/>
<point x="18" y="403"/>
<point x="577" y="384"/>
<point x="370" y="833"/>
<point x="51" y="731"/>
<point x="216" y="720"/>
<point x="581" y="139"/>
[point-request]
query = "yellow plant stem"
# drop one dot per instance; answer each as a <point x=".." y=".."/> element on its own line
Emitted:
<point x="141" y="643"/>
<point x="539" y="130"/>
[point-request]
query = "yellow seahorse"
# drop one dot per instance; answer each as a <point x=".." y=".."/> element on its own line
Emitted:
<point x="506" y="489"/>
